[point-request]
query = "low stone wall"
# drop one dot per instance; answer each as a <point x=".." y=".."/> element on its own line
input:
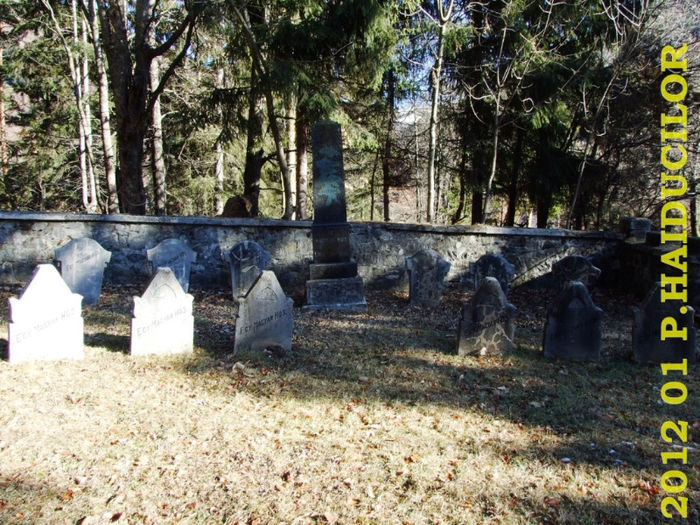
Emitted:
<point x="27" y="239"/>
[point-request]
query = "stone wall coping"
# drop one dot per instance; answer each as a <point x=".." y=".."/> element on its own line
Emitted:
<point x="480" y="230"/>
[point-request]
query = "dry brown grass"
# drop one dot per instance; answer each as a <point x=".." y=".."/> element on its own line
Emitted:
<point x="370" y="419"/>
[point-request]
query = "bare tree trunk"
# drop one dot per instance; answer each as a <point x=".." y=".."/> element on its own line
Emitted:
<point x="302" y="133"/>
<point x="494" y="156"/>
<point x="443" y="17"/>
<point x="386" y="160"/>
<point x="157" y="159"/>
<point x="291" y="150"/>
<point x="87" y="120"/>
<point x="107" y="143"/>
<point x="261" y="66"/>
<point x="3" y="130"/>
<point x="219" y="195"/>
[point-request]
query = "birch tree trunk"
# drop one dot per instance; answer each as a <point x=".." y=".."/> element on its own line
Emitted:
<point x="302" y="134"/>
<point x="105" y="126"/>
<point x="157" y="159"/>
<point x="443" y="18"/>
<point x="219" y="196"/>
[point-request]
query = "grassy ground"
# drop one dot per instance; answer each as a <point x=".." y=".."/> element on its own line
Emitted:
<point x="370" y="419"/>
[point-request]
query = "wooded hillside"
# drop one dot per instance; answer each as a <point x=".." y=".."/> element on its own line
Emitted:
<point x="508" y="112"/>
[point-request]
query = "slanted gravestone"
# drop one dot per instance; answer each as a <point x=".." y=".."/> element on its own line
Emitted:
<point x="646" y="331"/>
<point x="264" y="316"/>
<point x="334" y="282"/>
<point x="163" y="321"/>
<point x="426" y="272"/>
<point x="246" y="262"/>
<point x="173" y="254"/>
<point x="572" y="329"/>
<point x="486" y="325"/>
<point x="82" y="263"/>
<point x="493" y="265"/>
<point x="45" y="322"/>
<point x="575" y="268"/>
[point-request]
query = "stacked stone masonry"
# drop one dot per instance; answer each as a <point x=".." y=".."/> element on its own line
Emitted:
<point x="380" y="250"/>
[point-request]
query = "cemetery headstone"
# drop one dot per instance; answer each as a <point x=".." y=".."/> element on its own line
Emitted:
<point x="246" y="262"/>
<point x="572" y="329"/>
<point x="334" y="282"/>
<point x="575" y="268"/>
<point x="163" y="322"/>
<point x="646" y="331"/>
<point x="264" y="316"/>
<point x="82" y="262"/>
<point x="635" y="228"/>
<point x="45" y="322"/>
<point x="176" y="255"/>
<point x="493" y="265"/>
<point x="426" y="273"/>
<point x="486" y="324"/>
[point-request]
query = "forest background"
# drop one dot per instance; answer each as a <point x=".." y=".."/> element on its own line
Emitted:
<point x="509" y="112"/>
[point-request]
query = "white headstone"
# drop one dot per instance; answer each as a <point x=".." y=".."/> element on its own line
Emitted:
<point x="163" y="321"/>
<point x="82" y="262"/>
<point x="264" y="316"/>
<point x="45" y="322"/>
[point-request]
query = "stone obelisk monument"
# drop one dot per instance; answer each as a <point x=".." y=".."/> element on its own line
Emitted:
<point x="334" y="283"/>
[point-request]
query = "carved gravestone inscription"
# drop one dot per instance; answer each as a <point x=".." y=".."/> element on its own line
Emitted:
<point x="176" y="255"/>
<point x="426" y="273"/>
<point x="264" y="316"/>
<point x="572" y="329"/>
<point x="82" y="262"/>
<point x="486" y="325"/>
<point x="246" y="261"/>
<point x="575" y="268"/>
<point x="646" y="331"/>
<point x="45" y="322"/>
<point x="163" y="321"/>
<point x="493" y="265"/>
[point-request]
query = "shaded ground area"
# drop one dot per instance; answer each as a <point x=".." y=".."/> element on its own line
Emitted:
<point x="370" y="419"/>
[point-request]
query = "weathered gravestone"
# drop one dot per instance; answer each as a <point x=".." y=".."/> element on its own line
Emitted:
<point x="334" y="283"/>
<point x="493" y="265"/>
<point x="163" y="322"/>
<point x="486" y="325"/>
<point x="264" y="316"/>
<point x="82" y="263"/>
<point x="246" y="262"/>
<point x="173" y="254"/>
<point x="572" y="329"/>
<point x="45" y="322"/>
<point x="646" y="331"/>
<point x="575" y="268"/>
<point x="635" y="228"/>
<point x="426" y="272"/>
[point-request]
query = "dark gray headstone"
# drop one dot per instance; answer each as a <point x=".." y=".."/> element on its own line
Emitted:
<point x="646" y="331"/>
<point x="163" y="322"/>
<point x="176" y="255"/>
<point x="635" y="227"/>
<point x="334" y="282"/>
<point x="264" y="316"/>
<point x="328" y="173"/>
<point x="246" y="261"/>
<point x="82" y="263"/>
<point x="575" y="268"/>
<point x="486" y="325"/>
<point x="572" y="329"/>
<point x="45" y="322"/>
<point x="426" y="273"/>
<point x="493" y="265"/>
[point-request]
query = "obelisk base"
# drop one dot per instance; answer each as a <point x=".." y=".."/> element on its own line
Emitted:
<point x="345" y="294"/>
